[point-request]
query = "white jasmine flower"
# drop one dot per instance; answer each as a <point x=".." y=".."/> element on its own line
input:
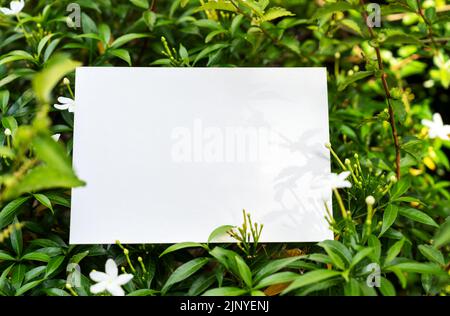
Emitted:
<point x="331" y="181"/>
<point x="14" y="8"/>
<point x="110" y="280"/>
<point x="436" y="127"/>
<point x="338" y="181"/>
<point x="334" y="181"/>
<point x="65" y="104"/>
<point x="56" y="137"/>
<point x="7" y="132"/>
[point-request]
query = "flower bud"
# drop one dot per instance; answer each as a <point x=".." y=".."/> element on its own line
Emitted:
<point x="7" y="132"/>
<point x="66" y="81"/>
<point x="370" y="200"/>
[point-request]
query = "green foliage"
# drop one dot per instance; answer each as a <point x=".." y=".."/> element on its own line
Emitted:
<point x="395" y="75"/>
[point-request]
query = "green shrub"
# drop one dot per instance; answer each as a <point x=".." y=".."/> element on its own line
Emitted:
<point x="384" y="84"/>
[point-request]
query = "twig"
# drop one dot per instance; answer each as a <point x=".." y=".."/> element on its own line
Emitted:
<point x="387" y="94"/>
<point x="430" y="26"/>
<point x="400" y="16"/>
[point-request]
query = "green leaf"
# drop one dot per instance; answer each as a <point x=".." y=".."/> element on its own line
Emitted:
<point x="386" y="287"/>
<point x="399" y="110"/>
<point x="338" y="253"/>
<point x="417" y="216"/>
<point x="375" y="244"/>
<point x="353" y="78"/>
<point x="44" y="201"/>
<point x="55" y="173"/>
<point x="208" y="50"/>
<point x="52" y="153"/>
<point x="6" y="256"/>
<point x="56" y="68"/>
<point x="235" y="24"/>
<point x="78" y="257"/>
<point x="9" y="122"/>
<point x="360" y="255"/>
<point x="352" y="288"/>
<point x="413" y="5"/>
<point x="244" y="271"/>
<point x="421" y="268"/>
<point x="56" y="292"/>
<point x="11" y="210"/>
<point x="142" y="292"/>
<point x="184" y="54"/>
<point x="401" y="38"/>
<point x="28" y="287"/>
<point x="352" y="25"/>
<point x="53" y="265"/>
<point x="122" y="40"/>
<point x="183" y="272"/>
<point x="16" y="238"/>
<point x="399" y="188"/>
<point x="122" y="54"/>
<point x="275" y="13"/>
<point x="42" y="178"/>
<point x="4" y="99"/>
<point x="181" y="246"/>
<point x="18" y="275"/>
<point x="389" y="217"/>
<point x="441" y="238"/>
<point x="274" y="266"/>
<point x="277" y="278"/>
<point x="332" y="8"/>
<point x="226" y="258"/>
<point x="311" y="278"/>
<point x="36" y="256"/>
<point x="432" y="254"/>
<point x="219" y="232"/>
<point x="105" y="33"/>
<point x="50" y="49"/>
<point x="225" y="291"/>
<point x="218" y="5"/>
<point x="43" y="42"/>
<point x="252" y="5"/>
<point x="143" y="4"/>
<point x="201" y="284"/>
<point x="15" y="56"/>
<point x="395" y="249"/>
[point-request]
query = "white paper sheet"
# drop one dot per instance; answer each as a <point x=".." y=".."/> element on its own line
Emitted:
<point x="169" y="154"/>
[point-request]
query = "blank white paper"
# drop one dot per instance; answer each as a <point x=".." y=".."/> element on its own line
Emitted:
<point x="170" y="154"/>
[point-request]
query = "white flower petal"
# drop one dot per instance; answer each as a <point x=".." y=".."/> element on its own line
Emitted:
<point x="123" y="279"/>
<point x="97" y="276"/>
<point x="6" y="11"/>
<point x="111" y="268"/>
<point x="437" y="119"/>
<point x="343" y="175"/>
<point x="71" y="108"/>
<point x="345" y="184"/>
<point x="65" y="100"/>
<point x="427" y="123"/>
<point x="98" y="288"/>
<point x="115" y="289"/>
<point x="61" y="106"/>
<point x="17" y="6"/>
<point x="56" y="137"/>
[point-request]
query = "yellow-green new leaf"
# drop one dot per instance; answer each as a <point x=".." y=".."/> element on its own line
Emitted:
<point x="46" y="80"/>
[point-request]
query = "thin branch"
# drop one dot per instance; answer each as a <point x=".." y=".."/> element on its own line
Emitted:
<point x="387" y="94"/>
<point x="430" y="26"/>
